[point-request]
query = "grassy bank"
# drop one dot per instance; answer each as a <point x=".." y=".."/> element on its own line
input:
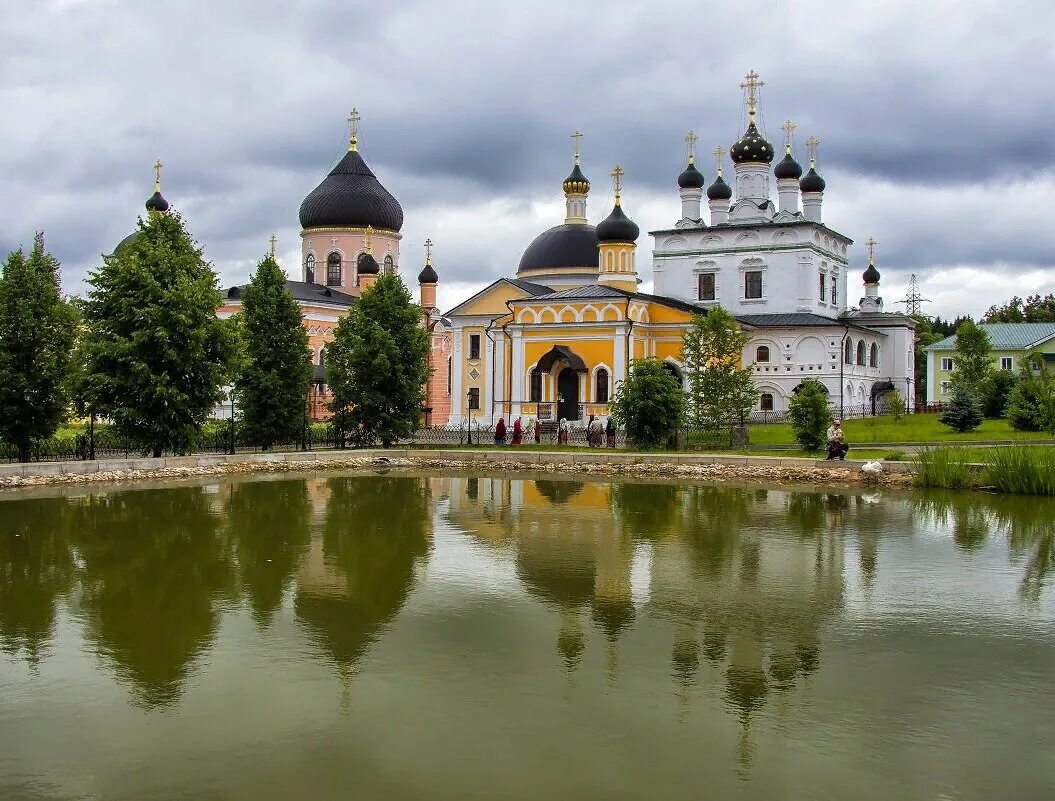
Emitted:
<point x="1015" y="469"/>
<point x="911" y="428"/>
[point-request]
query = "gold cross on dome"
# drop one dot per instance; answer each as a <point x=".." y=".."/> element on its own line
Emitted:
<point x="428" y="251"/>
<point x="353" y="129"/>
<point x="690" y="139"/>
<point x="788" y="127"/>
<point x="273" y="240"/>
<point x="157" y="175"/>
<point x="576" y="137"/>
<point x="617" y="181"/>
<point x="751" y="85"/>
<point x="719" y="153"/>
<point x="811" y="148"/>
<point x="871" y="243"/>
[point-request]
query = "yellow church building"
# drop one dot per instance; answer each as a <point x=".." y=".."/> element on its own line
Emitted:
<point x="554" y="341"/>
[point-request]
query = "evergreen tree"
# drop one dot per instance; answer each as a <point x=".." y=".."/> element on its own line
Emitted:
<point x="963" y="413"/>
<point x="649" y="404"/>
<point x="973" y="357"/>
<point x="37" y="332"/>
<point x="994" y="393"/>
<point x="895" y="405"/>
<point x="720" y="389"/>
<point x="377" y="366"/>
<point x="272" y="385"/>
<point x="809" y="415"/>
<point x="155" y="354"/>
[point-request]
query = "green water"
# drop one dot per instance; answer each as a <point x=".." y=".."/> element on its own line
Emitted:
<point x="485" y="638"/>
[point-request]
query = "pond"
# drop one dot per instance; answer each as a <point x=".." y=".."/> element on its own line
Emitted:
<point x="452" y="637"/>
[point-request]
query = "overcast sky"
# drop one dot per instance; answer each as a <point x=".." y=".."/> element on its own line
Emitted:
<point x="936" y="122"/>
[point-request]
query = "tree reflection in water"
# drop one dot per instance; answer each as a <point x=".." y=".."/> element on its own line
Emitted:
<point x="355" y="581"/>
<point x="269" y="524"/>
<point x="155" y="571"/>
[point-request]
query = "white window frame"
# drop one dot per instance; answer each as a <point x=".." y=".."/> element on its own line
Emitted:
<point x="752" y="266"/>
<point x="1007" y="362"/>
<point x="945" y="387"/>
<point x="948" y="364"/>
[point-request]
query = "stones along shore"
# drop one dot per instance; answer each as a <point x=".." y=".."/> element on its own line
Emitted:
<point x="597" y="462"/>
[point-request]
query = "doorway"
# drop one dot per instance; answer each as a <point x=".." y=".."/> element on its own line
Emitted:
<point x="568" y="392"/>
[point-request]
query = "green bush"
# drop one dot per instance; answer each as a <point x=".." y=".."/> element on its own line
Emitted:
<point x="1023" y="470"/>
<point x="649" y="404"/>
<point x="1029" y="405"/>
<point x="809" y="415"/>
<point x="946" y="467"/>
<point x="995" y="391"/>
<point x="963" y="413"/>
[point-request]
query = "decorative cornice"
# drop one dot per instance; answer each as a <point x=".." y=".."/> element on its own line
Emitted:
<point x="352" y="230"/>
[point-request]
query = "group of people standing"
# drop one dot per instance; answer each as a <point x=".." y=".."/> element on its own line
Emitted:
<point x="599" y="433"/>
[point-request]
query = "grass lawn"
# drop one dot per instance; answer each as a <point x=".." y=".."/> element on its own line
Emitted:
<point x="911" y="428"/>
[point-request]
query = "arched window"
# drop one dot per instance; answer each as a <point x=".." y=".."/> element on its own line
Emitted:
<point x="848" y="352"/>
<point x="536" y="385"/>
<point x="873" y="355"/>
<point x="861" y="352"/>
<point x="762" y="353"/>
<point x="333" y="269"/>
<point x="390" y="266"/>
<point x="765" y="402"/>
<point x="602" y="386"/>
<point x="322" y="356"/>
<point x="309" y="268"/>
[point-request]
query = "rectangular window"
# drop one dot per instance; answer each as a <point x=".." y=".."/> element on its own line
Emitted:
<point x="823" y="286"/>
<point x="450" y="374"/>
<point x="835" y="291"/>
<point x="946" y="387"/>
<point x="753" y="285"/>
<point x="1007" y="363"/>
<point x="474" y="399"/>
<point x="947" y="364"/>
<point x="474" y="346"/>
<point x="706" y="286"/>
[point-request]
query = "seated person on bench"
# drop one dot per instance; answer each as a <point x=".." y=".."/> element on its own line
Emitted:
<point x="837" y="446"/>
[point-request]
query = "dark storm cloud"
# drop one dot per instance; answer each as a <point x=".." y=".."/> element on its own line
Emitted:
<point x="467" y="110"/>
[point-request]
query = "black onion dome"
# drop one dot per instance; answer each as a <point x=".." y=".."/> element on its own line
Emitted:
<point x="565" y="245"/>
<point x="751" y="147"/>
<point x="871" y="275"/>
<point x="691" y="178"/>
<point x="576" y="182"/>
<point x="788" y="168"/>
<point x="367" y="265"/>
<point x="719" y="190"/>
<point x="157" y="203"/>
<point x="351" y="196"/>
<point x="428" y="275"/>
<point x="812" y="182"/>
<point x="617" y="227"/>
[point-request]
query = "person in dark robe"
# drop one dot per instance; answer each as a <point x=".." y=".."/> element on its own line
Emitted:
<point x="518" y="433"/>
<point x="609" y="430"/>
<point x="500" y="432"/>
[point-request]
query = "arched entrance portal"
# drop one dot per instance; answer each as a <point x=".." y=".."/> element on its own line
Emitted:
<point x="674" y="371"/>
<point x="568" y="394"/>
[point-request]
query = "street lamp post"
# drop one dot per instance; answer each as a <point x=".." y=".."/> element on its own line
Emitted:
<point x="469" y="429"/>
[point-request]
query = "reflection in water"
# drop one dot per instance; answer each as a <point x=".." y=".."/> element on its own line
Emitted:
<point x="155" y="569"/>
<point x="356" y="579"/>
<point x="631" y="617"/>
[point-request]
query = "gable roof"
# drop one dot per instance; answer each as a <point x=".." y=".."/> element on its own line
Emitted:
<point x="1006" y="336"/>
<point x="303" y="292"/>
<point x="528" y="287"/>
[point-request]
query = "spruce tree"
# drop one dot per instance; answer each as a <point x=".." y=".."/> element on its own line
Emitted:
<point x="37" y="333"/>
<point x="720" y="388"/>
<point x="963" y="413"/>
<point x="155" y="354"/>
<point x="272" y="386"/>
<point x="377" y="366"/>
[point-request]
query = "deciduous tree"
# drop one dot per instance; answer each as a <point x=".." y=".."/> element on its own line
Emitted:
<point x="720" y="387"/>
<point x="37" y="333"/>
<point x="155" y="354"/>
<point x="377" y="365"/>
<point x="649" y="404"/>
<point x="809" y="415"/>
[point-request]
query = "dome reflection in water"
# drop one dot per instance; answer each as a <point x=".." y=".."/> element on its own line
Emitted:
<point x="443" y="637"/>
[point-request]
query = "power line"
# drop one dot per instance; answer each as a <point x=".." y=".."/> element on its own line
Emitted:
<point x="914" y="300"/>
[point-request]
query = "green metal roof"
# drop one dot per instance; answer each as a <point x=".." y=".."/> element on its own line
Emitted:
<point x="1006" y="336"/>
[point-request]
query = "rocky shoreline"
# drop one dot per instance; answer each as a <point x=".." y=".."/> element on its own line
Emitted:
<point x="746" y="470"/>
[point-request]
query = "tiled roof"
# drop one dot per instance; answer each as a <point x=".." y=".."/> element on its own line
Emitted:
<point x="1006" y="336"/>
<point x="303" y="292"/>
<point x="529" y="287"/>
<point x="799" y="319"/>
